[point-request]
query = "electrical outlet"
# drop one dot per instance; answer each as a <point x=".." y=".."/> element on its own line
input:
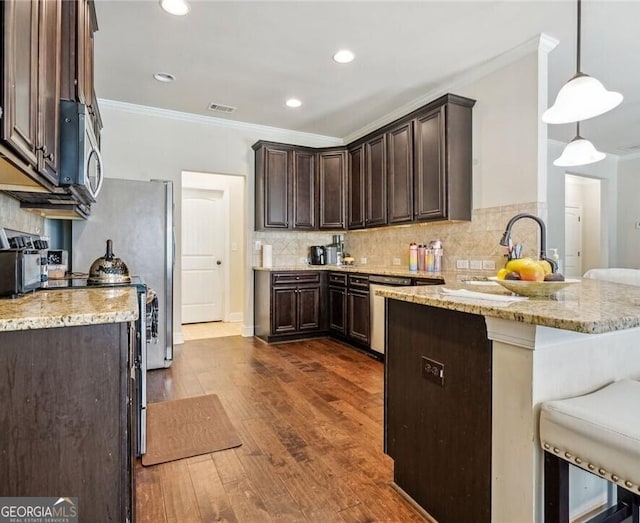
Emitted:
<point x="433" y="370"/>
<point x="488" y="265"/>
<point x="476" y="265"/>
<point x="363" y="261"/>
<point x="396" y="261"/>
<point x="258" y="245"/>
<point x="234" y="246"/>
<point x="462" y="264"/>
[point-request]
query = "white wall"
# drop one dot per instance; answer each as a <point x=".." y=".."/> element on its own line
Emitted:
<point x="606" y="171"/>
<point x="145" y="143"/>
<point x="505" y="134"/>
<point x="628" y="213"/>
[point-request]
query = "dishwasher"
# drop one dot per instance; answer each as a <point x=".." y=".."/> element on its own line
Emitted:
<point x="377" y="303"/>
<point x="377" y="307"/>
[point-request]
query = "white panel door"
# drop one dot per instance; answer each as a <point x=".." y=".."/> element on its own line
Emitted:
<point x="203" y="241"/>
<point x="572" y="242"/>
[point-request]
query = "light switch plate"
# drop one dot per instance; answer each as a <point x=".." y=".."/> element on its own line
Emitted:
<point x="258" y="245"/>
<point x="363" y="261"/>
<point x="476" y="265"/>
<point x="462" y="264"/>
<point x="396" y="261"/>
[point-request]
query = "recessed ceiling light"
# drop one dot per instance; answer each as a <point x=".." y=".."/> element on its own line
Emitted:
<point x="344" y="56"/>
<point x="293" y="102"/>
<point x="175" y="7"/>
<point x="164" y="77"/>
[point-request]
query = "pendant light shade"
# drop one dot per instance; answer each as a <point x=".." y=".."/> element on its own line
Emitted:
<point x="581" y="98"/>
<point x="579" y="152"/>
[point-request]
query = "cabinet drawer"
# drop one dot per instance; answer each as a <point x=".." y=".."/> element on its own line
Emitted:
<point x="337" y="278"/>
<point x="280" y="278"/>
<point x="358" y="281"/>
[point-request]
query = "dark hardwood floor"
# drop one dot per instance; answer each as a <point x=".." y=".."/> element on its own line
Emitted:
<point x="309" y="415"/>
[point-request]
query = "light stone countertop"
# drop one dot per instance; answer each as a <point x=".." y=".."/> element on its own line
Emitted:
<point x="68" y="307"/>
<point x="364" y="269"/>
<point x="591" y="306"/>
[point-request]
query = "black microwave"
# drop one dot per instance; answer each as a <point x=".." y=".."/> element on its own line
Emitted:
<point x="81" y="163"/>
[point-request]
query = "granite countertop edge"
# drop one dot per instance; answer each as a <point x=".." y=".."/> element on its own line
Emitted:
<point x="68" y="308"/>
<point x="593" y="307"/>
<point x="382" y="270"/>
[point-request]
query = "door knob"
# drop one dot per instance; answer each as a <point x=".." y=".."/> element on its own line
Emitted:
<point x="218" y="262"/>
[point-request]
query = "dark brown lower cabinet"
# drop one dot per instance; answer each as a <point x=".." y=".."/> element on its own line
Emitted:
<point x="438" y="409"/>
<point x="288" y="305"/>
<point x="359" y="310"/>
<point x="65" y="410"/>
<point x="337" y="297"/>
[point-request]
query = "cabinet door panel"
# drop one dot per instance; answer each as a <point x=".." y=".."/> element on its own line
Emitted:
<point x="276" y="188"/>
<point x="283" y="310"/>
<point x="376" y="181"/>
<point x="331" y="184"/>
<point x="20" y="103"/>
<point x="430" y="173"/>
<point x="356" y="189"/>
<point x="359" y="316"/>
<point x="400" y="175"/>
<point x="338" y="310"/>
<point x="308" y="308"/>
<point x="303" y="177"/>
<point x="49" y="88"/>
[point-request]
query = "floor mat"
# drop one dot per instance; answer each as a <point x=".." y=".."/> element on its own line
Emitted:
<point x="187" y="427"/>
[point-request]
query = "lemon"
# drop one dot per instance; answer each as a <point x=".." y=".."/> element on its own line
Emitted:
<point x="517" y="264"/>
<point x="546" y="266"/>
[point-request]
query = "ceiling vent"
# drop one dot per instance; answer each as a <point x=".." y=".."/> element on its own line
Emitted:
<point x="219" y="108"/>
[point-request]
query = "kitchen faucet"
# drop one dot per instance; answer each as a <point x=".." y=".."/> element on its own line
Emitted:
<point x="506" y="237"/>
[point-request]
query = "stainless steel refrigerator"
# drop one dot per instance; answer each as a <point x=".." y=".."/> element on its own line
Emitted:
<point x="138" y="217"/>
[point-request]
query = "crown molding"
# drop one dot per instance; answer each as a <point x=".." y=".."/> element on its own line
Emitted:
<point x="454" y="82"/>
<point x="633" y="156"/>
<point x="317" y="139"/>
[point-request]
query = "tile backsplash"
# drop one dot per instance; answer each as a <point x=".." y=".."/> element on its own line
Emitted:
<point x="17" y="219"/>
<point x="477" y="240"/>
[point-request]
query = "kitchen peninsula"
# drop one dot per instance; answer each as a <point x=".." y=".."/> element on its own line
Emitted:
<point x="464" y="380"/>
<point x="66" y="392"/>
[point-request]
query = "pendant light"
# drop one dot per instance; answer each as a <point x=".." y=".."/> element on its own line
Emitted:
<point x="582" y="97"/>
<point x="578" y="152"/>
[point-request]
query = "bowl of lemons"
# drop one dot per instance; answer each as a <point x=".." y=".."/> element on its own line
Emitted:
<point x="532" y="278"/>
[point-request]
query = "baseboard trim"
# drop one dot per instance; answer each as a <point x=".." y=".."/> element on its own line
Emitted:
<point x="178" y="338"/>
<point x="412" y="502"/>
<point x="235" y="317"/>
<point x="247" y="331"/>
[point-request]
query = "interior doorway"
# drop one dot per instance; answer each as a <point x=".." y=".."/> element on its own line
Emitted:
<point x="584" y="237"/>
<point x="203" y="241"/>
<point x="212" y="241"/>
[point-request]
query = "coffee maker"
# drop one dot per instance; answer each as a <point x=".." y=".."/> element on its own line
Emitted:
<point x="316" y="255"/>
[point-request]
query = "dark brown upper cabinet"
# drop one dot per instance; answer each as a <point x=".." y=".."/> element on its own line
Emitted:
<point x="304" y="188"/>
<point x="332" y="170"/>
<point x="443" y="171"/>
<point x="356" y="189"/>
<point x="400" y="174"/>
<point x="299" y="187"/>
<point x="417" y="168"/>
<point x="376" y="181"/>
<point x="31" y="85"/>
<point x="273" y="167"/>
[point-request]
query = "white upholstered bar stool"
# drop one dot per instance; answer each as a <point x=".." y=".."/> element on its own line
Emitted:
<point x="600" y="433"/>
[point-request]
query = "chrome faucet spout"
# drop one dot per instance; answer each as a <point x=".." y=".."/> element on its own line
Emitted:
<point x="543" y="236"/>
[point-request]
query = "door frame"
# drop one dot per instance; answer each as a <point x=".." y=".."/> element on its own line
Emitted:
<point x="188" y="182"/>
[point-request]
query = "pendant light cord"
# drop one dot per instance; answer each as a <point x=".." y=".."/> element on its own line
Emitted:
<point x="579" y="38"/>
